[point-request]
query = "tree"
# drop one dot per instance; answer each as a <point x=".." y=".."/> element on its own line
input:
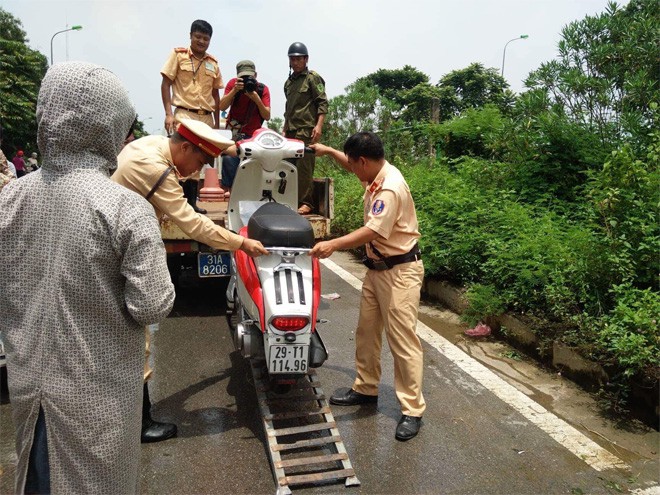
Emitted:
<point x="606" y="74"/>
<point x="21" y="72"/>
<point x="276" y="124"/>
<point x="473" y="87"/>
<point x="393" y="83"/>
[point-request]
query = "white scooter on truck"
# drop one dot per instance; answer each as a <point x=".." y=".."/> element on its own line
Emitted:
<point x="273" y="300"/>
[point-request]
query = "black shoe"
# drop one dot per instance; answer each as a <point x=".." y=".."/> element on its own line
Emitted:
<point x="407" y="428"/>
<point x="352" y="398"/>
<point x="154" y="431"/>
<point x="199" y="210"/>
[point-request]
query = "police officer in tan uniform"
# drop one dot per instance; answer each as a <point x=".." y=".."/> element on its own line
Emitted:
<point x="391" y="288"/>
<point x="152" y="166"/>
<point x="191" y="84"/>
<point x="304" y="115"/>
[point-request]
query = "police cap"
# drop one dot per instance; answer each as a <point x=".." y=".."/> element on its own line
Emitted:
<point x="203" y="136"/>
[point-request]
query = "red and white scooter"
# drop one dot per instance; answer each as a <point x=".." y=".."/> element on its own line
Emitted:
<point x="273" y="300"/>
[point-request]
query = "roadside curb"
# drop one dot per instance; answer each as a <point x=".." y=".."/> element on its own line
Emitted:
<point x="566" y="360"/>
<point x="509" y="328"/>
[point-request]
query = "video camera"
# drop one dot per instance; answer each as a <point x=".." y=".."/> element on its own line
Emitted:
<point x="250" y="83"/>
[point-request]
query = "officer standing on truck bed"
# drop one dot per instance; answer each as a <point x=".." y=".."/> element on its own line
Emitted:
<point x="152" y="166"/>
<point x="191" y="84"/>
<point x="304" y="115"/>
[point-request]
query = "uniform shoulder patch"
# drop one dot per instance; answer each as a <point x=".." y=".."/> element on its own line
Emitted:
<point x="378" y="207"/>
<point x="181" y="49"/>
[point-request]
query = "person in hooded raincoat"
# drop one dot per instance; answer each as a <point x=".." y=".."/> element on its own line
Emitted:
<point x="89" y="252"/>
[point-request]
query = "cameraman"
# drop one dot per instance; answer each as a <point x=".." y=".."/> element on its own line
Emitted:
<point x="250" y="106"/>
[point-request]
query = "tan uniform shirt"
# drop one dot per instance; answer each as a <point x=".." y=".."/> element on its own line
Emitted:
<point x="389" y="210"/>
<point x="193" y="80"/>
<point x="141" y="164"/>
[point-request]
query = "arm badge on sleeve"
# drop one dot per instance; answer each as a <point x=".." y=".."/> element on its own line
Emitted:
<point x="378" y="207"/>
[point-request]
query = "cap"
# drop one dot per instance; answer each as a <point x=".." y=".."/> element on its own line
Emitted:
<point x="202" y="135"/>
<point x="20" y="152"/>
<point x="245" y="68"/>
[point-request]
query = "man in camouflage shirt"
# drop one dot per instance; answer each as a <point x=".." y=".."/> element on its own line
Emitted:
<point x="304" y="115"/>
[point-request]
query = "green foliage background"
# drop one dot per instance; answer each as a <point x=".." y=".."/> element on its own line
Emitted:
<point x="21" y="72"/>
<point x="545" y="203"/>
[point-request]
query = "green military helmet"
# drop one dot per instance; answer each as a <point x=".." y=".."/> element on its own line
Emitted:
<point x="298" y="49"/>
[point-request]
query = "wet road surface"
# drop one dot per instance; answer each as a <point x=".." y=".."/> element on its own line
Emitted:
<point x="471" y="440"/>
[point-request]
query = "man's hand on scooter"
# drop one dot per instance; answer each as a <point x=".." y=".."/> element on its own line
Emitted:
<point x="322" y="249"/>
<point x="320" y="149"/>
<point x="253" y="248"/>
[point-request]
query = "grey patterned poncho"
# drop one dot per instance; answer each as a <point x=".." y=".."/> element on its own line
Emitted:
<point x="86" y="254"/>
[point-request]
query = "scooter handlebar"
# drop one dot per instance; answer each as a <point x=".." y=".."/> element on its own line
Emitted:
<point x="309" y="150"/>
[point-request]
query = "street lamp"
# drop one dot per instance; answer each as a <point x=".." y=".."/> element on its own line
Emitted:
<point x="521" y="37"/>
<point x="72" y="28"/>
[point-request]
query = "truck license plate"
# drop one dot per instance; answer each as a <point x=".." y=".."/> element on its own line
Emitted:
<point x="288" y="359"/>
<point x="213" y="264"/>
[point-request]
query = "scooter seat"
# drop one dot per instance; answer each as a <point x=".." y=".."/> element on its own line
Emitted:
<point x="277" y="225"/>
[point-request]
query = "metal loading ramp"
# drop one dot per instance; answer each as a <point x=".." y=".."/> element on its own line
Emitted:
<point x="304" y="444"/>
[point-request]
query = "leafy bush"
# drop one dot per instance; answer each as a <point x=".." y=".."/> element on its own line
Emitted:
<point x="348" y="196"/>
<point x="470" y="134"/>
<point x="484" y="301"/>
<point x="631" y="333"/>
<point x="625" y="194"/>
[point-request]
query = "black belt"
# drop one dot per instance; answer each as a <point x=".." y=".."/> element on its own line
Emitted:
<point x="198" y="111"/>
<point x="387" y="262"/>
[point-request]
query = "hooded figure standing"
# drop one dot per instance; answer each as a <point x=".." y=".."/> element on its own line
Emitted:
<point x="90" y="253"/>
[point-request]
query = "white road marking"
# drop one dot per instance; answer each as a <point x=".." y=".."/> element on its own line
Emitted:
<point x="580" y="445"/>
<point x="652" y="490"/>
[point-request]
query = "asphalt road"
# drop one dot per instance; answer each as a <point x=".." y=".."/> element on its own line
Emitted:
<point x="472" y="441"/>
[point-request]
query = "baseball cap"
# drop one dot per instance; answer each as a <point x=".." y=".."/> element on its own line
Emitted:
<point x="245" y="68"/>
<point x="203" y="136"/>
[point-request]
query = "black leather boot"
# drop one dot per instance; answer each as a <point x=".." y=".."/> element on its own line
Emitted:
<point x="153" y="431"/>
<point x="190" y="193"/>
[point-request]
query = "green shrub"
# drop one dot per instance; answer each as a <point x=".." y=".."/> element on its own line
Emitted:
<point x="630" y="332"/>
<point x="470" y="134"/>
<point x="484" y="301"/>
<point x="348" y="196"/>
<point x="625" y="196"/>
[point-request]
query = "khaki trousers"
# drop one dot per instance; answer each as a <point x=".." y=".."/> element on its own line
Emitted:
<point x="390" y="300"/>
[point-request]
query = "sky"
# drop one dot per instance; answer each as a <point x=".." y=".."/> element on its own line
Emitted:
<point x="347" y="39"/>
